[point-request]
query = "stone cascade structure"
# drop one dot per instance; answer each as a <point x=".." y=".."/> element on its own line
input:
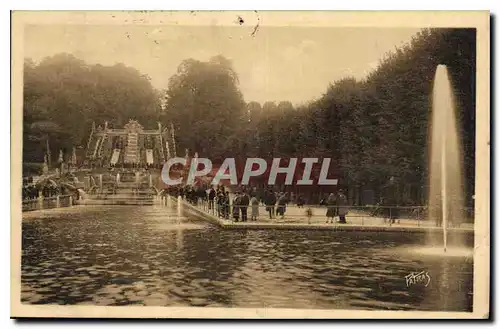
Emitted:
<point x="122" y="165"/>
<point x="130" y="146"/>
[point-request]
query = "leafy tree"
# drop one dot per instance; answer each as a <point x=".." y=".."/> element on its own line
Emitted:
<point x="268" y="107"/>
<point x="254" y="111"/>
<point x="206" y="106"/>
<point x="63" y="96"/>
<point x="375" y="129"/>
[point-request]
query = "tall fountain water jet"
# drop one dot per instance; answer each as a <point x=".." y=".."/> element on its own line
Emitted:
<point x="179" y="208"/>
<point x="446" y="200"/>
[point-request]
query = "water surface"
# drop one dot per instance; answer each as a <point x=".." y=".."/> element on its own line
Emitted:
<point x="123" y="255"/>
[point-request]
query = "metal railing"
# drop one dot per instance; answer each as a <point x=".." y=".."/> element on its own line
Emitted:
<point x="359" y="215"/>
<point x="41" y="203"/>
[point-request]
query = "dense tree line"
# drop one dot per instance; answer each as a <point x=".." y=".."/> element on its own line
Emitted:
<point x="375" y="129"/>
<point x="63" y="95"/>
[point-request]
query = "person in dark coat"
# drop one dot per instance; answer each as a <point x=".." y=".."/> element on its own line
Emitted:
<point x="226" y="205"/>
<point x="342" y="206"/>
<point x="211" y="197"/>
<point x="309" y="214"/>
<point x="236" y="207"/>
<point x="35" y="192"/>
<point x="300" y="201"/>
<point x="202" y="196"/>
<point x="244" y="203"/>
<point x="282" y="200"/>
<point x="220" y="202"/>
<point x="270" y="201"/>
<point x="331" y="207"/>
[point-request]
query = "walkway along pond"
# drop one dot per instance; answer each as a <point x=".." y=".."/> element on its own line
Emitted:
<point x="317" y="222"/>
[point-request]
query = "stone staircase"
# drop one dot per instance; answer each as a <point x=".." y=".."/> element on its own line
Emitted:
<point x="95" y="150"/>
<point x="132" y="148"/>
<point x="159" y="147"/>
<point x="103" y="146"/>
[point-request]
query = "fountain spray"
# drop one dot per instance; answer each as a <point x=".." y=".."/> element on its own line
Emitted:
<point x="446" y="199"/>
<point x="444" y="196"/>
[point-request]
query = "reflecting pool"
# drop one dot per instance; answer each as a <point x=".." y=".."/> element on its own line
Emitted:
<point x="123" y="255"/>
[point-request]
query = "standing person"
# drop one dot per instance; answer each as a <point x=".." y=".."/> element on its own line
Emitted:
<point x="342" y="206"/>
<point x="254" y="192"/>
<point x="217" y="200"/>
<point x="244" y="202"/>
<point x="300" y="201"/>
<point x="309" y="214"/>
<point x="215" y="209"/>
<point x="202" y="196"/>
<point x="270" y="201"/>
<point x="282" y="200"/>
<point x="254" y="202"/>
<point x="221" y="198"/>
<point x="236" y="207"/>
<point x="211" y="198"/>
<point x="194" y="195"/>
<point x="226" y="205"/>
<point x="331" y="206"/>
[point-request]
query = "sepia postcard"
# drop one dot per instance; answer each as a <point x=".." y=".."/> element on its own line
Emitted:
<point x="250" y="165"/>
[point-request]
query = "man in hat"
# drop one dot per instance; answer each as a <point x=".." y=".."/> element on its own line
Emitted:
<point x="342" y="206"/>
<point x="244" y="203"/>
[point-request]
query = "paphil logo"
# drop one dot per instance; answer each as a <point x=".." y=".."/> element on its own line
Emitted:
<point x="308" y="171"/>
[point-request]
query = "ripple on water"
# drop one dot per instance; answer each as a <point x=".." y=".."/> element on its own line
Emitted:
<point x="176" y="227"/>
<point x="463" y="252"/>
<point x="148" y="256"/>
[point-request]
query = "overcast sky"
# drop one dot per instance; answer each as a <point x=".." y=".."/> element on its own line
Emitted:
<point x="277" y="63"/>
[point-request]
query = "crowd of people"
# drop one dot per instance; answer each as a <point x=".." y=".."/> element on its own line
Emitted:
<point x="336" y="205"/>
<point x="245" y="203"/>
<point x="45" y="188"/>
<point x="33" y="192"/>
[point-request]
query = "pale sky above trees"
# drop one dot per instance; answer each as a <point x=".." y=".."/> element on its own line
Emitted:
<point x="278" y="63"/>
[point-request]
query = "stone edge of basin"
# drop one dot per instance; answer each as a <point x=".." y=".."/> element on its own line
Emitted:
<point x="338" y="227"/>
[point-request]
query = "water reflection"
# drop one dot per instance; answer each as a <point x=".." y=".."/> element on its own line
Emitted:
<point x="152" y="256"/>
